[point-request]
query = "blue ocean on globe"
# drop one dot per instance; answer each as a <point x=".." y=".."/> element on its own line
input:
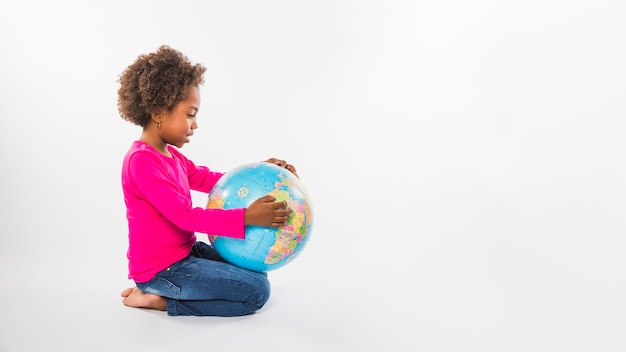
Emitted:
<point x="264" y="248"/>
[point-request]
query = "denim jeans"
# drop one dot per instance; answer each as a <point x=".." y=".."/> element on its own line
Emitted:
<point x="203" y="284"/>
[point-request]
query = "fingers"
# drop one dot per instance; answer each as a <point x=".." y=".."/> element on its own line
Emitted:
<point x="292" y="169"/>
<point x="280" y="221"/>
<point x="268" y="198"/>
<point x="281" y="217"/>
<point x="266" y="211"/>
<point x="280" y="205"/>
<point x="281" y="214"/>
<point x="281" y="163"/>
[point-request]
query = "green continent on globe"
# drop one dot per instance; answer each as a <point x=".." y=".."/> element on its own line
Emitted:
<point x="289" y="235"/>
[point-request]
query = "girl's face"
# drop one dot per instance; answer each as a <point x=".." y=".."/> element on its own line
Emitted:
<point x="178" y="124"/>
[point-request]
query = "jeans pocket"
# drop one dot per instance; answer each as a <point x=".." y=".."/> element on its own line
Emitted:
<point x="162" y="287"/>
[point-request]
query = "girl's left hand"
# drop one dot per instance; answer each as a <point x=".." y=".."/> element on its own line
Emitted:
<point x="283" y="163"/>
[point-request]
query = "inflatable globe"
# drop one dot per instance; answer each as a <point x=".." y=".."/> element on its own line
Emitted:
<point x="264" y="248"/>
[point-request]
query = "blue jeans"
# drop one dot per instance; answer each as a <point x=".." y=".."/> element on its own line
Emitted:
<point x="203" y="284"/>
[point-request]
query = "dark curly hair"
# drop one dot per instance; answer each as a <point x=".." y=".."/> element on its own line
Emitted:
<point x="156" y="82"/>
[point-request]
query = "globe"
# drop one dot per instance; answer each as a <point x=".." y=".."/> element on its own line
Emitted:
<point x="264" y="248"/>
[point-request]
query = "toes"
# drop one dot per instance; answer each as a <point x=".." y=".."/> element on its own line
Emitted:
<point x="127" y="292"/>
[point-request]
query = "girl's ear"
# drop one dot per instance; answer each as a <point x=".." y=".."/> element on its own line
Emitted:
<point x="157" y="117"/>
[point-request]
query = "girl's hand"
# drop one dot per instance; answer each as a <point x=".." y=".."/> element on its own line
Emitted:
<point x="283" y="163"/>
<point x="266" y="212"/>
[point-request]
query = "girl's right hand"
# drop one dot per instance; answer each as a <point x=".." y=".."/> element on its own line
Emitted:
<point x="265" y="211"/>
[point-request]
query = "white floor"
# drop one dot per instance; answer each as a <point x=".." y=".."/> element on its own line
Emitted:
<point x="480" y="294"/>
<point x="95" y="320"/>
<point x="310" y="310"/>
<point x="465" y="160"/>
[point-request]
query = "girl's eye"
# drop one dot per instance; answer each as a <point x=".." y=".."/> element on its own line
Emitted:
<point x="191" y="116"/>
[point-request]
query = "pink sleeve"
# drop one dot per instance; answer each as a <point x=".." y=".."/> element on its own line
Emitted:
<point x="165" y="193"/>
<point x="200" y="177"/>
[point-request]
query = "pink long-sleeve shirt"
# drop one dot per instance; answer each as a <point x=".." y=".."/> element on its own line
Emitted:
<point x="161" y="218"/>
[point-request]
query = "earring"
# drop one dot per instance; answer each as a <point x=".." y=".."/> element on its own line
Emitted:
<point x="155" y="117"/>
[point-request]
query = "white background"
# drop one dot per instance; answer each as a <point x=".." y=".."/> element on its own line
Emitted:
<point x="465" y="159"/>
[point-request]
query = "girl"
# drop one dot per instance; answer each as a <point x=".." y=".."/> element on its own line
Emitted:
<point x="172" y="270"/>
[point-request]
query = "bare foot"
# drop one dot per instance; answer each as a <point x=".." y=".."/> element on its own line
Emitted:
<point x="134" y="297"/>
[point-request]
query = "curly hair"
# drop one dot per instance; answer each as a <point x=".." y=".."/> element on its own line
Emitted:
<point x="156" y="82"/>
